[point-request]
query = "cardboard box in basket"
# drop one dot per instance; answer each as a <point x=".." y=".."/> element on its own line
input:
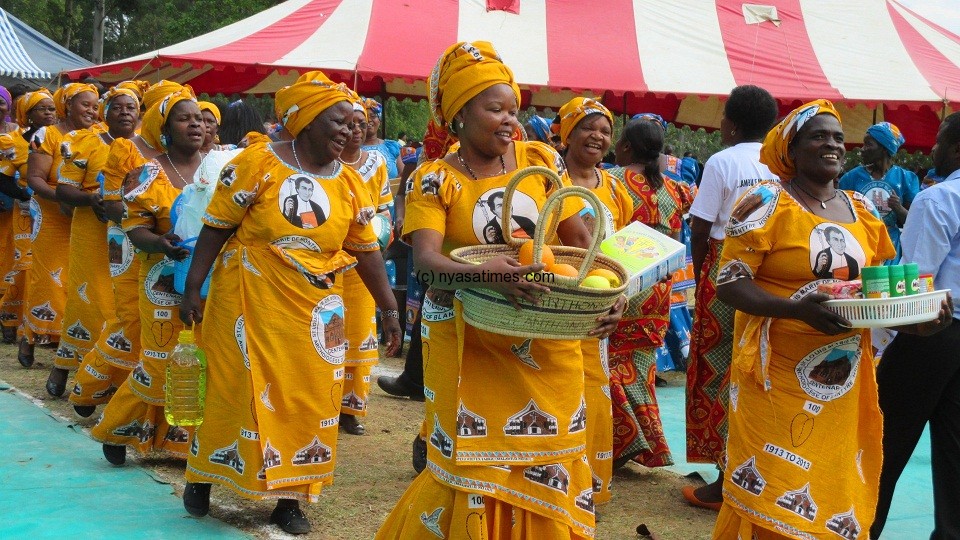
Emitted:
<point x="647" y="255"/>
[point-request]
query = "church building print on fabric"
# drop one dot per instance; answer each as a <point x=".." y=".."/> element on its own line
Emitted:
<point x="531" y="421"/>
<point x="440" y="440"/>
<point x="799" y="502"/>
<point x="353" y="402"/>
<point x="228" y="456"/>
<point x="553" y="476"/>
<point x="470" y="424"/>
<point x="845" y="525"/>
<point x="177" y="434"/>
<point x="578" y="422"/>
<point x="119" y="342"/>
<point x="584" y="500"/>
<point x="313" y="453"/>
<point x="748" y="477"/>
<point x="370" y="344"/>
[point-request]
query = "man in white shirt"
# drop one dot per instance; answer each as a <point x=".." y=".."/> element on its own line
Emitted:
<point x="748" y="114"/>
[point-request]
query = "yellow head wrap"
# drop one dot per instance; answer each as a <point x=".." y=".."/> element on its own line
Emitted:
<point x="28" y="101"/>
<point x="114" y="92"/>
<point x="155" y="118"/>
<point x="207" y="106"/>
<point x="774" y="153"/>
<point x="298" y="104"/>
<point x="577" y="109"/>
<point x="160" y="90"/>
<point x="464" y="70"/>
<point x="138" y="87"/>
<point x="63" y="95"/>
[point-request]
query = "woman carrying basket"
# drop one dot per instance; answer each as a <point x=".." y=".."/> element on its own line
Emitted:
<point x="516" y="458"/>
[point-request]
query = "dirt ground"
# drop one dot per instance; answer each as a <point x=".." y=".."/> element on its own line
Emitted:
<point x="373" y="471"/>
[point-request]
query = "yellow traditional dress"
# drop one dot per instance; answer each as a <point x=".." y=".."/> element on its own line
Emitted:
<point x="14" y="150"/>
<point x="359" y="308"/>
<point x="46" y="293"/>
<point x="134" y="416"/>
<point x="803" y="451"/>
<point x="89" y="291"/>
<point x="274" y="383"/>
<point x="521" y="456"/>
<point x="618" y="211"/>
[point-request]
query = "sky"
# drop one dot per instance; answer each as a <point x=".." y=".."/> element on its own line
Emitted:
<point x="946" y="13"/>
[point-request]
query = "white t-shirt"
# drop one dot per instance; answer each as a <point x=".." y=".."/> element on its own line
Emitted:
<point x="727" y="175"/>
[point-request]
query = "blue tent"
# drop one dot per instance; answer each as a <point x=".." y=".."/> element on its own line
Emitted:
<point x="28" y="54"/>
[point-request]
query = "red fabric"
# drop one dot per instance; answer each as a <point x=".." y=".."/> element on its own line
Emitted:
<point x="758" y="52"/>
<point x="919" y="128"/>
<point x="936" y="68"/>
<point x="510" y="6"/>
<point x="395" y="48"/>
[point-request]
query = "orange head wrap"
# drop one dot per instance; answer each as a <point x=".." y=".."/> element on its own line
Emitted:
<point x="577" y="109"/>
<point x="151" y="129"/>
<point x="28" y="101"/>
<point x="298" y="104"/>
<point x="775" y="150"/>
<point x="115" y="92"/>
<point x="463" y="71"/>
<point x="207" y="106"/>
<point x="160" y="90"/>
<point x="63" y="95"/>
<point x="138" y="87"/>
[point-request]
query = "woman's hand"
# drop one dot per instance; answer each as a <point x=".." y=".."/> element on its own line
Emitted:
<point x="608" y="322"/>
<point x="943" y="321"/>
<point x="507" y="277"/>
<point x="392" y="333"/>
<point x="191" y="307"/>
<point x="98" y="207"/>
<point x="168" y="245"/>
<point x="810" y="310"/>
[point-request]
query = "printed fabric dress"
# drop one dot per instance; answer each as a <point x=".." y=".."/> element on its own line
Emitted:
<point x="14" y="150"/>
<point x="803" y="452"/>
<point x="360" y="309"/>
<point x="134" y="415"/>
<point x="275" y="331"/>
<point x="637" y="429"/>
<point x="89" y="290"/>
<point x="520" y="457"/>
<point x="618" y="210"/>
<point x="46" y="294"/>
<point x="897" y="181"/>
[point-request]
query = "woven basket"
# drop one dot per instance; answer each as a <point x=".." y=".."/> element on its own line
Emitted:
<point x="886" y="312"/>
<point x="568" y="311"/>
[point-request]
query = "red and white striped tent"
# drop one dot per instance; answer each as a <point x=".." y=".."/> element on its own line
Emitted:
<point x="679" y="58"/>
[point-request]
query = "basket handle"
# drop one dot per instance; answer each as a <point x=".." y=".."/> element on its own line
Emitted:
<point x="553" y="205"/>
<point x="511" y="188"/>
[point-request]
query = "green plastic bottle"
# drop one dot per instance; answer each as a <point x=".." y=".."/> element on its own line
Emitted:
<point x="186" y="387"/>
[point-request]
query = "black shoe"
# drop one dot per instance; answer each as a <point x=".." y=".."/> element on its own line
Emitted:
<point x="9" y="334"/>
<point x="398" y="386"/>
<point x="196" y="499"/>
<point x="419" y="454"/>
<point x="116" y="455"/>
<point x="84" y="410"/>
<point x="290" y="519"/>
<point x="57" y="382"/>
<point x="621" y="461"/>
<point x="25" y="358"/>
<point x="351" y="424"/>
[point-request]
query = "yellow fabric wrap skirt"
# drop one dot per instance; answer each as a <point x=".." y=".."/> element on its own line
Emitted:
<point x="363" y="351"/>
<point x="46" y="294"/>
<point x="11" y="307"/>
<point x="134" y="416"/>
<point x="596" y="376"/>
<point x="274" y="384"/>
<point x="6" y="247"/>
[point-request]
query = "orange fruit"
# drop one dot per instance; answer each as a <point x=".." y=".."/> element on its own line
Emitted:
<point x="612" y="277"/>
<point x="562" y="269"/>
<point x="525" y="255"/>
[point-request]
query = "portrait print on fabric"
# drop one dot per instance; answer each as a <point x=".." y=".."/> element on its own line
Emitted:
<point x="835" y="253"/>
<point x="303" y="202"/>
<point x="489" y="211"/>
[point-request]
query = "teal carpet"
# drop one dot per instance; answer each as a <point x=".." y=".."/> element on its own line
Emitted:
<point x="56" y="483"/>
<point x="911" y="514"/>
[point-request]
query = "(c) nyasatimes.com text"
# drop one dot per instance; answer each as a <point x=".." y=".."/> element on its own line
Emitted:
<point x="430" y="277"/>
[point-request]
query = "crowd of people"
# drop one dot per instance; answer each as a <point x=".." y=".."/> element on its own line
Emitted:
<point x="287" y="292"/>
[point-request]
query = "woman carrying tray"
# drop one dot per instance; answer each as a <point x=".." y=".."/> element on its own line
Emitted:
<point x="518" y="458"/>
<point x="803" y="450"/>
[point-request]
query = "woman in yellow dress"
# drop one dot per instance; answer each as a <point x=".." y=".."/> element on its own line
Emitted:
<point x="90" y="295"/>
<point x="211" y="125"/>
<point x="803" y="450"/>
<point x="134" y="416"/>
<point x="586" y="131"/>
<point x="34" y="110"/>
<point x="286" y="221"/>
<point x="358" y="304"/>
<point x="46" y="296"/>
<point x="519" y="458"/>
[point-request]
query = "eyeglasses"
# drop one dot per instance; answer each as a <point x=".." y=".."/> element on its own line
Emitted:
<point x="354" y="125"/>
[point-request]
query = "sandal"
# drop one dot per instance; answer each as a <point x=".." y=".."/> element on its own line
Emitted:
<point x="196" y="499"/>
<point x="290" y="519"/>
<point x="689" y="493"/>
<point x="25" y="358"/>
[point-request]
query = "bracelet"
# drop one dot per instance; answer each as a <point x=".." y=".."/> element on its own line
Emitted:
<point x="392" y="313"/>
